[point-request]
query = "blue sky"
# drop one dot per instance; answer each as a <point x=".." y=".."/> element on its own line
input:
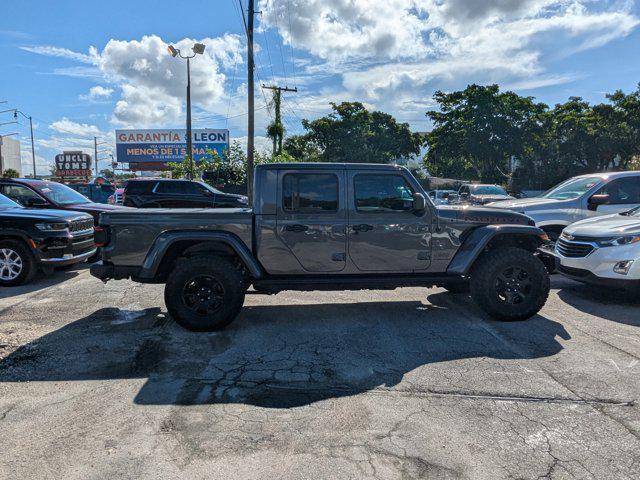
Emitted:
<point x="85" y="68"/>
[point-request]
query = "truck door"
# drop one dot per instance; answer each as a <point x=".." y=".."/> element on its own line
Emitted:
<point x="312" y="216"/>
<point x="385" y="234"/>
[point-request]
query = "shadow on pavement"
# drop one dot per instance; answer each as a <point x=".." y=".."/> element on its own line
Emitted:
<point x="39" y="282"/>
<point x="607" y="303"/>
<point x="274" y="355"/>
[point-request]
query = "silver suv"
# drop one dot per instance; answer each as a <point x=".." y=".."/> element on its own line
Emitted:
<point x="578" y="198"/>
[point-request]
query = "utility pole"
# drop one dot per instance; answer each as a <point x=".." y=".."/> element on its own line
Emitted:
<point x="95" y="153"/>
<point x="277" y="95"/>
<point x="250" y="102"/>
<point x="189" y="131"/>
<point x="33" y="148"/>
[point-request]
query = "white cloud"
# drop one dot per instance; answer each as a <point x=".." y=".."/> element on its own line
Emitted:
<point x="52" y="51"/>
<point x="64" y="125"/>
<point x="97" y="93"/>
<point x="388" y="52"/>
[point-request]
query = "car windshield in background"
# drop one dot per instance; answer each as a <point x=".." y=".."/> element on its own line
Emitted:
<point x="572" y="188"/>
<point x="61" y="194"/>
<point x="7" y="203"/>
<point x="488" y="190"/>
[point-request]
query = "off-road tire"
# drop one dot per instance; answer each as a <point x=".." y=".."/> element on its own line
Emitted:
<point x="485" y="283"/>
<point x="28" y="262"/>
<point x="457" y="287"/>
<point x="224" y="273"/>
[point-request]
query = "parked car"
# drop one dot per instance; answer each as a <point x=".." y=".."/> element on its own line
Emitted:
<point x="52" y="195"/>
<point x="579" y="198"/>
<point x="602" y="251"/>
<point x="481" y="194"/>
<point x="440" y="197"/>
<point x="98" y="193"/>
<point x="40" y="238"/>
<point x="323" y="226"/>
<point x="117" y="197"/>
<point x="164" y="193"/>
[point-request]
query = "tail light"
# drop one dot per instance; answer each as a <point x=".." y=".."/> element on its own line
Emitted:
<point x="101" y="236"/>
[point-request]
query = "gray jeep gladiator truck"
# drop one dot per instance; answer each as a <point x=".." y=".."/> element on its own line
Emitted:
<point x="323" y="226"/>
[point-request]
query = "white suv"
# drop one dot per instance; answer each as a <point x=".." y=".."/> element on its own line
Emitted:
<point x="603" y="250"/>
<point x="579" y="198"/>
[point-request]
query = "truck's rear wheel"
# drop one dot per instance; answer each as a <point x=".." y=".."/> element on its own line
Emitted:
<point x="204" y="293"/>
<point x="510" y="284"/>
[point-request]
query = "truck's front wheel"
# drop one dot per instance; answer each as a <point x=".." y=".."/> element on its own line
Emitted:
<point x="510" y="284"/>
<point x="204" y="293"/>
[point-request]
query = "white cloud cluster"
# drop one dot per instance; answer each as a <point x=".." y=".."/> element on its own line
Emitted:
<point x="66" y="126"/>
<point x="97" y="92"/>
<point x="389" y="52"/>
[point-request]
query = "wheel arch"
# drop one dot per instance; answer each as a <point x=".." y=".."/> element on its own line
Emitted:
<point x="170" y="246"/>
<point x="491" y="237"/>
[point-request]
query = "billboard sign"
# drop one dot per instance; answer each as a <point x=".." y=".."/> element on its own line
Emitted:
<point x="162" y="145"/>
<point x="73" y="164"/>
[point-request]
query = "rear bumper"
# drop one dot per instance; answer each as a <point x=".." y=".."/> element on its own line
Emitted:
<point x="108" y="271"/>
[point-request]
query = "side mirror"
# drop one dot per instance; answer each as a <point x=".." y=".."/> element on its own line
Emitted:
<point x="419" y="202"/>
<point x="596" y="200"/>
<point x="36" y="202"/>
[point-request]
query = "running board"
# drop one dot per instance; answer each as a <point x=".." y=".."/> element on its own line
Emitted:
<point x="351" y="282"/>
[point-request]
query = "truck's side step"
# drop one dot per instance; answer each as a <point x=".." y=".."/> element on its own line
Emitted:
<point x="350" y="282"/>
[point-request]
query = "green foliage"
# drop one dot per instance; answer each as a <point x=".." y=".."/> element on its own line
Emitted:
<point x="10" y="173"/>
<point x="351" y="133"/>
<point x="479" y="131"/>
<point x="302" y="148"/>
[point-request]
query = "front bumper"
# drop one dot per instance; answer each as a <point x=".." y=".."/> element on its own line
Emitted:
<point x="68" y="259"/>
<point x="597" y="267"/>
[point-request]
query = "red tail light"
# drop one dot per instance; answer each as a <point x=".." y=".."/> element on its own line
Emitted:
<point x="101" y="236"/>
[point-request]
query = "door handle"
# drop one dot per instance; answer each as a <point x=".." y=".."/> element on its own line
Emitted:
<point x="362" y="227"/>
<point x="296" y="228"/>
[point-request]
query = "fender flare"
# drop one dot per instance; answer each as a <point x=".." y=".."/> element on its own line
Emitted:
<point x="10" y="234"/>
<point x="476" y="242"/>
<point x="164" y="241"/>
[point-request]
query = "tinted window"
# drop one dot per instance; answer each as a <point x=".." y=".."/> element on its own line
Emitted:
<point x="623" y="191"/>
<point x="137" y="187"/>
<point x="19" y="193"/>
<point x="180" y="188"/>
<point x="382" y="193"/>
<point x="310" y="192"/>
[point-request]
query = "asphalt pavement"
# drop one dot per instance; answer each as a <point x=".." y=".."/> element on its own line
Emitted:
<point x="96" y="381"/>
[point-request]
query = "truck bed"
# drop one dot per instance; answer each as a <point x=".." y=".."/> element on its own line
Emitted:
<point x="135" y="230"/>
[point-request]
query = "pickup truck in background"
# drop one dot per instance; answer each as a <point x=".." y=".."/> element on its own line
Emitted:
<point x="322" y="226"/>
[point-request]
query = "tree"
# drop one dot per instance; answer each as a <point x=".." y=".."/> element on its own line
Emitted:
<point x="302" y="148"/>
<point x="10" y="173"/>
<point x="479" y="130"/>
<point x="351" y="133"/>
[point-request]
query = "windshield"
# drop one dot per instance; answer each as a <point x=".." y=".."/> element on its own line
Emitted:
<point x="572" y="188"/>
<point x="488" y="190"/>
<point x="7" y="203"/>
<point x="61" y="194"/>
<point x="209" y="187"/>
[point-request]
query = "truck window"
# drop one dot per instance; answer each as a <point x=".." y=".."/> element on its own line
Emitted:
<point x="310" y="193"/>
<point x="178" y="188"/>
<point x="382" y="193"/>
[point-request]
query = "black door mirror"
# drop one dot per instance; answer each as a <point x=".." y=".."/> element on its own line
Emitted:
<point x="596" y="200"/>
<point x="419" y="202"/>
<point x="36" y="202"/>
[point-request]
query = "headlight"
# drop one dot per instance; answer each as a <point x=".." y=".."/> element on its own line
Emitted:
<point x="52" y="227"/>
<point x="619" y="241"/>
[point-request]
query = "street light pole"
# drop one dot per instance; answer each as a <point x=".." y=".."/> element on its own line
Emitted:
<point x="198" y="49"/>
<point x="189" y="135"/>
<point x="33" y="148"/>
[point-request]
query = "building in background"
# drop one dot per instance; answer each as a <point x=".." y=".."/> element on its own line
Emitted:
<point x="145" y="150"/>
<point x="10" y="152"/>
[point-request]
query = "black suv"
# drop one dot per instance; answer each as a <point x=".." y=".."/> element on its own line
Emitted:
<point x="162" y="193"/>
<point x="32" y="238"/>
